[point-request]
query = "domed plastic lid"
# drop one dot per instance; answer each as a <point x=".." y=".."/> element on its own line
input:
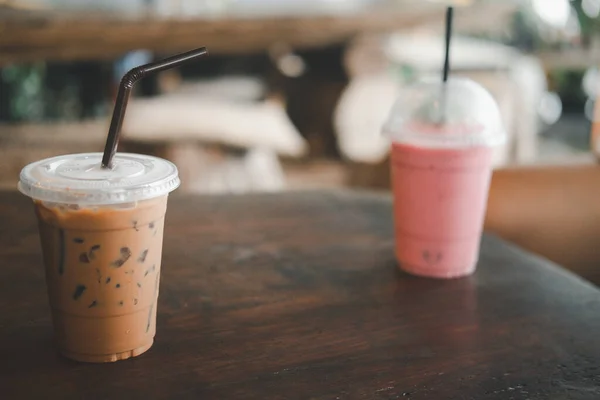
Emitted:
<point x="457" y="114"/>
<point x="79" y="179"/>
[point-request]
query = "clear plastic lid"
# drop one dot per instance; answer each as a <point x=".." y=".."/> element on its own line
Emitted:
<point x="79" y="179"/>
<point x="457" y="114"/>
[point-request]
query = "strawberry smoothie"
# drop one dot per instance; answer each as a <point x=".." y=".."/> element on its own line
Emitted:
<point x="443" y="138"/>
<point x="442" y="194"/>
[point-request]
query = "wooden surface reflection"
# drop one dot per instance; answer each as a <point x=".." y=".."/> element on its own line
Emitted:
<point x="298" y="296"/>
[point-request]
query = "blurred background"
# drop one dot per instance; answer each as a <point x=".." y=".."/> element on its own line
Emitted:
<point x="295" y="92"/>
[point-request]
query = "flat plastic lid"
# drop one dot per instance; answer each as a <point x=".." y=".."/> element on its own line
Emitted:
<point x="79" y="179"/>
<point x="454" y="115"/>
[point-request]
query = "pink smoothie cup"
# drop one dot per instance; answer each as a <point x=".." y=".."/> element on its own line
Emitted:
<point x="443" y="137"/>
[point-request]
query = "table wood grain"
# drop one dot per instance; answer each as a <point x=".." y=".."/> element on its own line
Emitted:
<point x="297" y="296"/>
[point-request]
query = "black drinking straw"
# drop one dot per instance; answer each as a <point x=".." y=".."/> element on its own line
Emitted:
<point x="129" y="79"/>
<point x="446" y="70"/>
<point x="449" y="18"/>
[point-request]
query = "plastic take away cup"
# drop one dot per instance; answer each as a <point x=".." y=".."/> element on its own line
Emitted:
<point x="101" y="232"/>
<point x="443" y="137"/>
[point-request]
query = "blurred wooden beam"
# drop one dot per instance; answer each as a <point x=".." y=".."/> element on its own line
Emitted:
<point x="28" y="35"/>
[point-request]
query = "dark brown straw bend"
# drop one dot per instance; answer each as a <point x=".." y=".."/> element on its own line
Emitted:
<point x="125" y="87"/>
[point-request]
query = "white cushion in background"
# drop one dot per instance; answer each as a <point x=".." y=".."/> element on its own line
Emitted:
<point x="360" y="114"/>
<point x="185" y="118"/>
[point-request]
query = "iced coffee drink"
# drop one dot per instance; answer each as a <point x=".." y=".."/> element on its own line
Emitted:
<point x="101" y="233"/>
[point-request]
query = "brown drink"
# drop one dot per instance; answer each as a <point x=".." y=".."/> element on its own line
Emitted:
<point x="102" y="247"/>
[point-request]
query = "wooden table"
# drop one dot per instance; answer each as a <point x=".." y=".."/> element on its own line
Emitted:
<point x="76" y="33"/>
<point x="298" y="296"/>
